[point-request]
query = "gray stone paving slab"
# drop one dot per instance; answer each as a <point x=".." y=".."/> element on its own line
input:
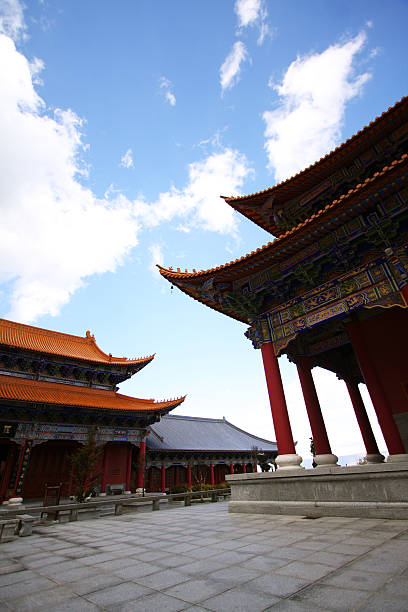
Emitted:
<point x="292" y="553"/>
<point x="264" y="563"/>
<point x="196" y="591"/>
<point x="178" y="560"/>
<point x="124" y="592"/>
<point x="162" y="580"/>
<point x="27" y="586"/>
<point x="331" y="598"/>
<point x="310" y="571"/>
<point x="80" y="573"/>
<point x="15" y="577"/>
<point x="57" y="569"/>
<point x="42" y="600"/>
<point x="239" y="600"/>
<point x="202" y="558"/>
<point x="90" y="584"/>
<point x="75" y="605"/>
<point x="384" y="603"/>
<point x="397" y="587"/>
<point x="203" y="566"/>
<point x="277" y="584"/>
<point x="137" y="570"/>
<point x="151" y="603"/>
<point x="232" y="557"/>
<point x="354" y="579"/>
<point x="234" y="574"/>
<point x="288" y="605"/>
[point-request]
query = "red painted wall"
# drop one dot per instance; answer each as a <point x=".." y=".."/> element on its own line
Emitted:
<point x="386" y="337"/>
<point x="116" y="462"/>
<point x="48" y="464"/>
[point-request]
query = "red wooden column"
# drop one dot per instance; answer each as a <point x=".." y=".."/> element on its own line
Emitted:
<point x="142" y="458"/>
<point x="388" y="426"/>
<point x="11" y="458"/>
<point x="324" y="455"/>
<point x="212" y="480"/>
<point x="129" y="467"/>
<point x="104" y="464"/>
<point x="370" y="443"/>
<point x="189" y="476"/>
<point x="287" y="457"/>
<point x="163" y="478"/>
<point x="244" y="468"/>
<point x="231" y="468"/>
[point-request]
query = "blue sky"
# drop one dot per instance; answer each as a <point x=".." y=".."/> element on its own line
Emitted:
<point x="122" y="124"/>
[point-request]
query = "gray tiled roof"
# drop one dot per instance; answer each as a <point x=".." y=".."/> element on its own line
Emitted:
<point x="175" y="432"/>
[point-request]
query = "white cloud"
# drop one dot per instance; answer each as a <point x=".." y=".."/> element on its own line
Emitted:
<point x="231" y="68"/>
<point x="253" y="13"/>
<point x="247" y="11"/>
<point x="166" y="88"/>
<point x="54" y="232"/>
<point x="11" y="18"/>
<point x="157" y="258"/>
<point x="127" y="159"/>
<point x="313" y="96"/>
<point x="199" y="203"/>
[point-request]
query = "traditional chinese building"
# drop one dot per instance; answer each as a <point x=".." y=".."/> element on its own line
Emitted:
<point x="54" y="388"/>
<point x="196" y="450"/>
<point x="331" y="288"/>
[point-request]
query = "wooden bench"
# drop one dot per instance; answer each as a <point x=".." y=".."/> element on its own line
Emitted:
<point x="73" y="509"/>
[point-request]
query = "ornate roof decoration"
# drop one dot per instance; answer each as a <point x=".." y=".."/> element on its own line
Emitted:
<point x="33" y="391"/>
<point x="31" y="338"/>
<point x="200" y="285"/>
<point x="258" y="206"/>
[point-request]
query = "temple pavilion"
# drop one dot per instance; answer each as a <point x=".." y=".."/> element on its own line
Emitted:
<point x="199" y="450"/>
<point x="54" y="388"/>
<point x="330" y="289"/>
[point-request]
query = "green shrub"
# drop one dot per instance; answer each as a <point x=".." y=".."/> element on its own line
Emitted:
<point x="180" y="488"/>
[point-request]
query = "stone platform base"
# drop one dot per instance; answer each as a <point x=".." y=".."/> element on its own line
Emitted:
<point x="375" y="491"/>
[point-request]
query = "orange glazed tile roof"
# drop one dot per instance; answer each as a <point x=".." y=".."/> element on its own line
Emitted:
<point x="24" y="390"/>
<point x="32" y="338"/>
<point x="319" y="170"/>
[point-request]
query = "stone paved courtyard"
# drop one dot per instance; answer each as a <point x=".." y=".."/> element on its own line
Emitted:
<point x="202" y="558"/>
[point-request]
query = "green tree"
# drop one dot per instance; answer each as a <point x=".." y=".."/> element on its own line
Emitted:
<point x="84" y="467"/>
